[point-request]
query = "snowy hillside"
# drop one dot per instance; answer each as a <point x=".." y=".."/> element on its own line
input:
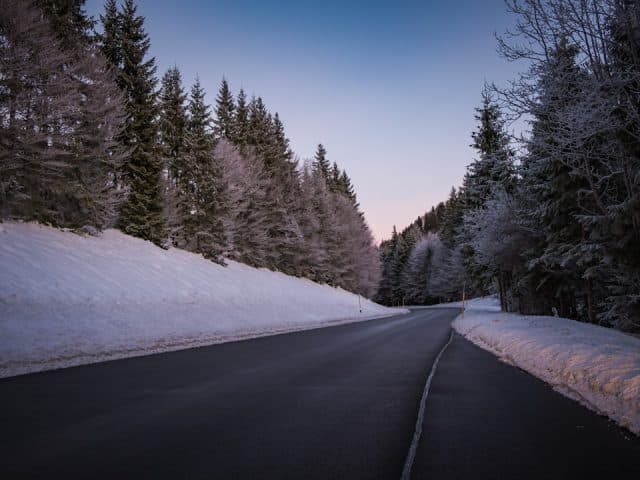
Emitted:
<point x="67" y="299"/>
<point x="600" y="367"/>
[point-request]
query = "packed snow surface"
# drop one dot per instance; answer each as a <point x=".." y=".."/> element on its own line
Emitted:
<point x="489" y="304"/>
<point x="67" y="299"/>
<point x="597" y="366"/>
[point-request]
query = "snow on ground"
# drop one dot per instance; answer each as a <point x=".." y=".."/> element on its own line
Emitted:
<point x="597" y="366"/>
<point x="490" y="304"/>
<point x="67" y="299"/>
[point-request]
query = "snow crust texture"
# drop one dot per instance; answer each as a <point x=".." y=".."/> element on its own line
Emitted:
<point x="597" y="366"/>
<point x="67" y="299"/>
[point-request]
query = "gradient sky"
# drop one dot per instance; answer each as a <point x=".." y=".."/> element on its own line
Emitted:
<point x="388" y="87"/>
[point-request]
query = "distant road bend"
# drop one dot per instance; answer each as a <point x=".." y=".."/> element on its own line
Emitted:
<point x="338" y="402"/>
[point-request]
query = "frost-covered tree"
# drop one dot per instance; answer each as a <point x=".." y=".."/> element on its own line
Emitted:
<point x="494" y="167"/>
<point x="320" y="162"/>
<point x="203" y="201"/>
<point x="590" y="120"/>
<point x="448" y="280"/>
<point x="59" y="111"/>
<point x="69" y="21"/>
<point x="245" y="221"/>
<point x="418" y="271"/>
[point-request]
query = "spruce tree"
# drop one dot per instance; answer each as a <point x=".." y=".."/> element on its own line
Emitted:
<point x="494" y="166"/>
<point x="321" y="163"/>
<point x="141" y="214"/>
<point x="387" y="253"/>
<point x="282" y="150"/>
<point x="240" y="123"/>
<point x="62" y="111"/>
<point x="551" y="190"/>
<point x="259" y="127"/>
<point x="110" y="39"/>
<point x="69" y="20"/>
<point x="225" y="108"/>
<point x="203" y="202"/>
<point x="173" y="120"/>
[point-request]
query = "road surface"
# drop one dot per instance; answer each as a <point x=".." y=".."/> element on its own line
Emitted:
<point x="338" y="402"/>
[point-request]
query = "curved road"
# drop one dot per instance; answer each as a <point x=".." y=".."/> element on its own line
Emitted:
<point x="337" y="402"/>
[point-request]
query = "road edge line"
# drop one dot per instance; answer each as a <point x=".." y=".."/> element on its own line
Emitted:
<point x="417" y="434"/>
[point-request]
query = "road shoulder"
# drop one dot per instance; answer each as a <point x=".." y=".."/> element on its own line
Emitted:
<point x="486" y="419"/>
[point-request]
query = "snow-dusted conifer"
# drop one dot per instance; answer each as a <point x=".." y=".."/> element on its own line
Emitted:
<point x="141" y="214"/>
<point x="61" y="110"/>
<point x="225" y="107"/>
<point x="203" y="196"/>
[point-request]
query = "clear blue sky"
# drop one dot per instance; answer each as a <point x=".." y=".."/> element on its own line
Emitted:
<point x="388" y="87"/>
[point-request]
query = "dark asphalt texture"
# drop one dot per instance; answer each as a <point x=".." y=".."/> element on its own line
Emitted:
<point x="337" y="402"/>
<point x="485" y="419"/>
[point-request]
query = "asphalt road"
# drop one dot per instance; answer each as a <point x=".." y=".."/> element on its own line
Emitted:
<point x="338" y="402"/>
<point x="485" y="419"/>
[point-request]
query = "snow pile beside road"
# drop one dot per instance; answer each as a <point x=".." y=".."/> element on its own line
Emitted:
<point x="597" y="366"/>
<point x="67" y="299"/>
<point x="489" y="304"/>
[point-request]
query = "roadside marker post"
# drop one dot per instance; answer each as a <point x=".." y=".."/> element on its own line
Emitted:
<point x="464" y="286"/>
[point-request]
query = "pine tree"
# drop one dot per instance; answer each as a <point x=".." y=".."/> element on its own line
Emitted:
<point x="334" y="179"/>
<point x="387" y="253"/>
<point x="282" y="150"/>
<point x="141" y="215"/>
<point x="494" y="167"/>
<point x="224" y="112"/>
<point x="492" y="172"/>
<point x="550" y="187"/>
<point x="69" y="20"/>
<point x="240" y="123"/>
<point x="452" y="219"/>
<point x="245" y="221"/>
<point x="204" y="201"/>
<point x="259" y="127"/>
<point x="346" y="187"/>
<point x="61" y="110"/>
<point x="173" y="120"/>
<point x="321" y="163"/>
<point x="110" y="39"/>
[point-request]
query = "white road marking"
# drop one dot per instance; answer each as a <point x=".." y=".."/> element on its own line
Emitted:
<point x="408" y="464"/>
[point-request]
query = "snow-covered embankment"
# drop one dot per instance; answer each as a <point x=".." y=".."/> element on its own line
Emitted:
<point x="67" y="299"/>
<point x="597" y="366"/>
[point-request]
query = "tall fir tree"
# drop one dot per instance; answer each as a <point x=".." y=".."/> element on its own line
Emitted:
<point x="203" y="202"/>
<point x="551" y="190"/>
<point x="61" y="109"/>
<point x="240" y="123"/>
<point x="110" y="38"/>
<point x="259" y="128"/>
<point x="173" y="122"/>
<point x="494" y="167"/>
<point x="69" y="20"/>
<point x="321" y="163"/>
<point x="126" y="42"/>
<point x="225" y="108"/>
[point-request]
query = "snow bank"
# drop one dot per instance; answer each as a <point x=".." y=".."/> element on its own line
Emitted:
<point x="489" y="304"/>
<point x="597" y="366"/>
<point x="67" y="299"/>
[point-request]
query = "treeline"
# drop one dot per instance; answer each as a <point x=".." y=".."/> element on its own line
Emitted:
<point x="90" y="139"/>
<point x="551" y="221"/>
